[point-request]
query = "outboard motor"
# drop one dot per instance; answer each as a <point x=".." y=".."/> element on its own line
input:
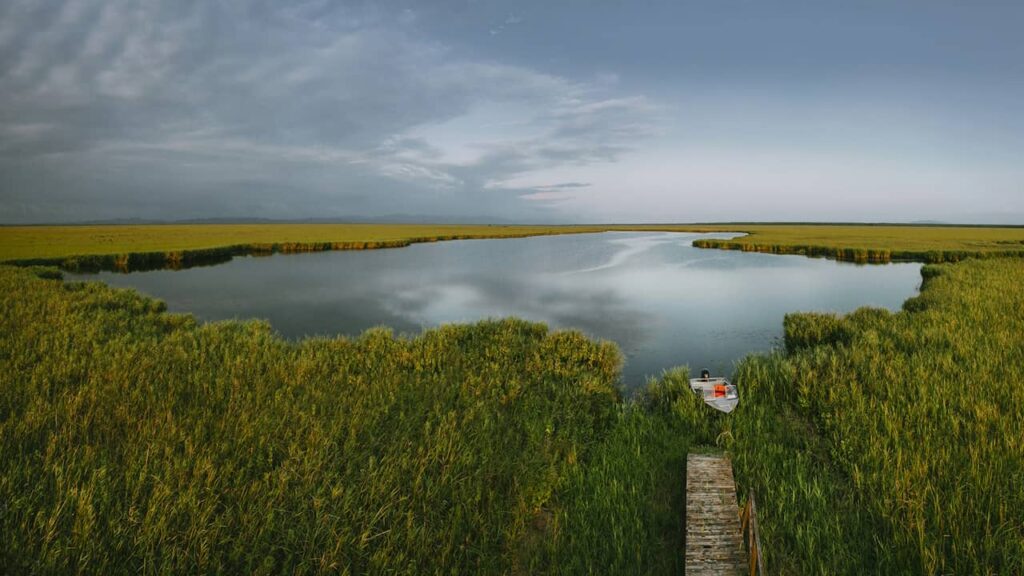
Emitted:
<point x="705" y="374"/>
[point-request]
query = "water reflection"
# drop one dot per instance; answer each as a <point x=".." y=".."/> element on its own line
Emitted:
<point x="663" y="301"/>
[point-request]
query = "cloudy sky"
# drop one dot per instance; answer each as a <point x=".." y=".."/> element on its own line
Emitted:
<point x="518" y="111"/>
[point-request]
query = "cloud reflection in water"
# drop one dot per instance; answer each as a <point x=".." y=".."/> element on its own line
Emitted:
<point x="661" y="300"/>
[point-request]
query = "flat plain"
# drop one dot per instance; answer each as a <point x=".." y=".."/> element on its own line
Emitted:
<point x="137" y="441"/>
<point x="56" y="243"/>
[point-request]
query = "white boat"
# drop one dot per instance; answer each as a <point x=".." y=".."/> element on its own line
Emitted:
<point x="717" y="392"/>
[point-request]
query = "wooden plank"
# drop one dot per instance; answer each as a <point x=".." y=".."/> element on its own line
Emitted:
<point x="714" y="542"/>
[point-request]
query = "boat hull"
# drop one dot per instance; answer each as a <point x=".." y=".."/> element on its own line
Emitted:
<point x="717" y="393"/>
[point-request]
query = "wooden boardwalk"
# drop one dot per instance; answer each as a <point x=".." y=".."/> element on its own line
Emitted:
<point x="714" y="541"/>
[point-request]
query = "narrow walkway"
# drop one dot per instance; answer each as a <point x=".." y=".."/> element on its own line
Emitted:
<point x="714" y="543"/>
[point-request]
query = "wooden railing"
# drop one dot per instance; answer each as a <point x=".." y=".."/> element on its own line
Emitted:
<point x="752" y="536"/>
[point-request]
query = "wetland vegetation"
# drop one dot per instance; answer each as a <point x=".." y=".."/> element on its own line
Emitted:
<point x="148" y="247"/>
<point x="133" y="440"/>
<point x="619" y="286"/>
<point x="138" y="441"/>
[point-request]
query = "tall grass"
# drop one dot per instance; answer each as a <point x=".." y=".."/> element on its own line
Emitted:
<point x="894" y="443"/>
<point x="145" y="247"/>
<point x="877" y="243"/>
<point x="136" y="441"/>
<point x="132" y="441"/>
<point x="877" y="442"/>
<point x="622" y="511"/>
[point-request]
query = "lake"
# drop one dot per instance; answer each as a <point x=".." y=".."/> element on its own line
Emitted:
<point x="664" y="302"/>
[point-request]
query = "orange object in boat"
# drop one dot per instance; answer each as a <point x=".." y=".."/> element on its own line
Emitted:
<point x="717" y="392"/>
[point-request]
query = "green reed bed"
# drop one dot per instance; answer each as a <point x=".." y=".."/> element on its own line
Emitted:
<point x="152" y="246"/>
<point x="132" y="440"/>
<point x="135" y="441"/>
<point x="622" y="511"/>
<point x="877" y="443"/>
<point x="876" y="243"/>
<point x="894" y="443"/>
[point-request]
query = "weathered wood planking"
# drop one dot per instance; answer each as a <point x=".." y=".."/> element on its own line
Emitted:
<point x="714" y="542"/>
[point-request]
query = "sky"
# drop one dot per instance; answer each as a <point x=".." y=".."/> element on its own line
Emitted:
<point x="460" y="110"/>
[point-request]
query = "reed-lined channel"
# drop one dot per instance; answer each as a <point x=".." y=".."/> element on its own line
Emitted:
<point x="662" y="301"/>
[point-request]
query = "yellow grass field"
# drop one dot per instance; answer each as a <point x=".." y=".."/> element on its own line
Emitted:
<point x="60" y="242"/>
<point x="63" y="241"/>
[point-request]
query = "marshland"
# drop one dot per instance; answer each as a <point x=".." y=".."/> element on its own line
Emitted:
<point x="139" y="440"/>
<point x="662" y="301"/>
<point x="400" y="288"/>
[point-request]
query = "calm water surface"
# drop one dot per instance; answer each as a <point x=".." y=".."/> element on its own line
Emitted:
<point x="662" y="301"/>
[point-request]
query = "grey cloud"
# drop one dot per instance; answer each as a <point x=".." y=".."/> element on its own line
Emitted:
<point x="578" y="132"/>
<point x="146" y="105"/>
<point x="510" y="20"/>
<point x="563" y="185"/>
<point x="189" y="108"/>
